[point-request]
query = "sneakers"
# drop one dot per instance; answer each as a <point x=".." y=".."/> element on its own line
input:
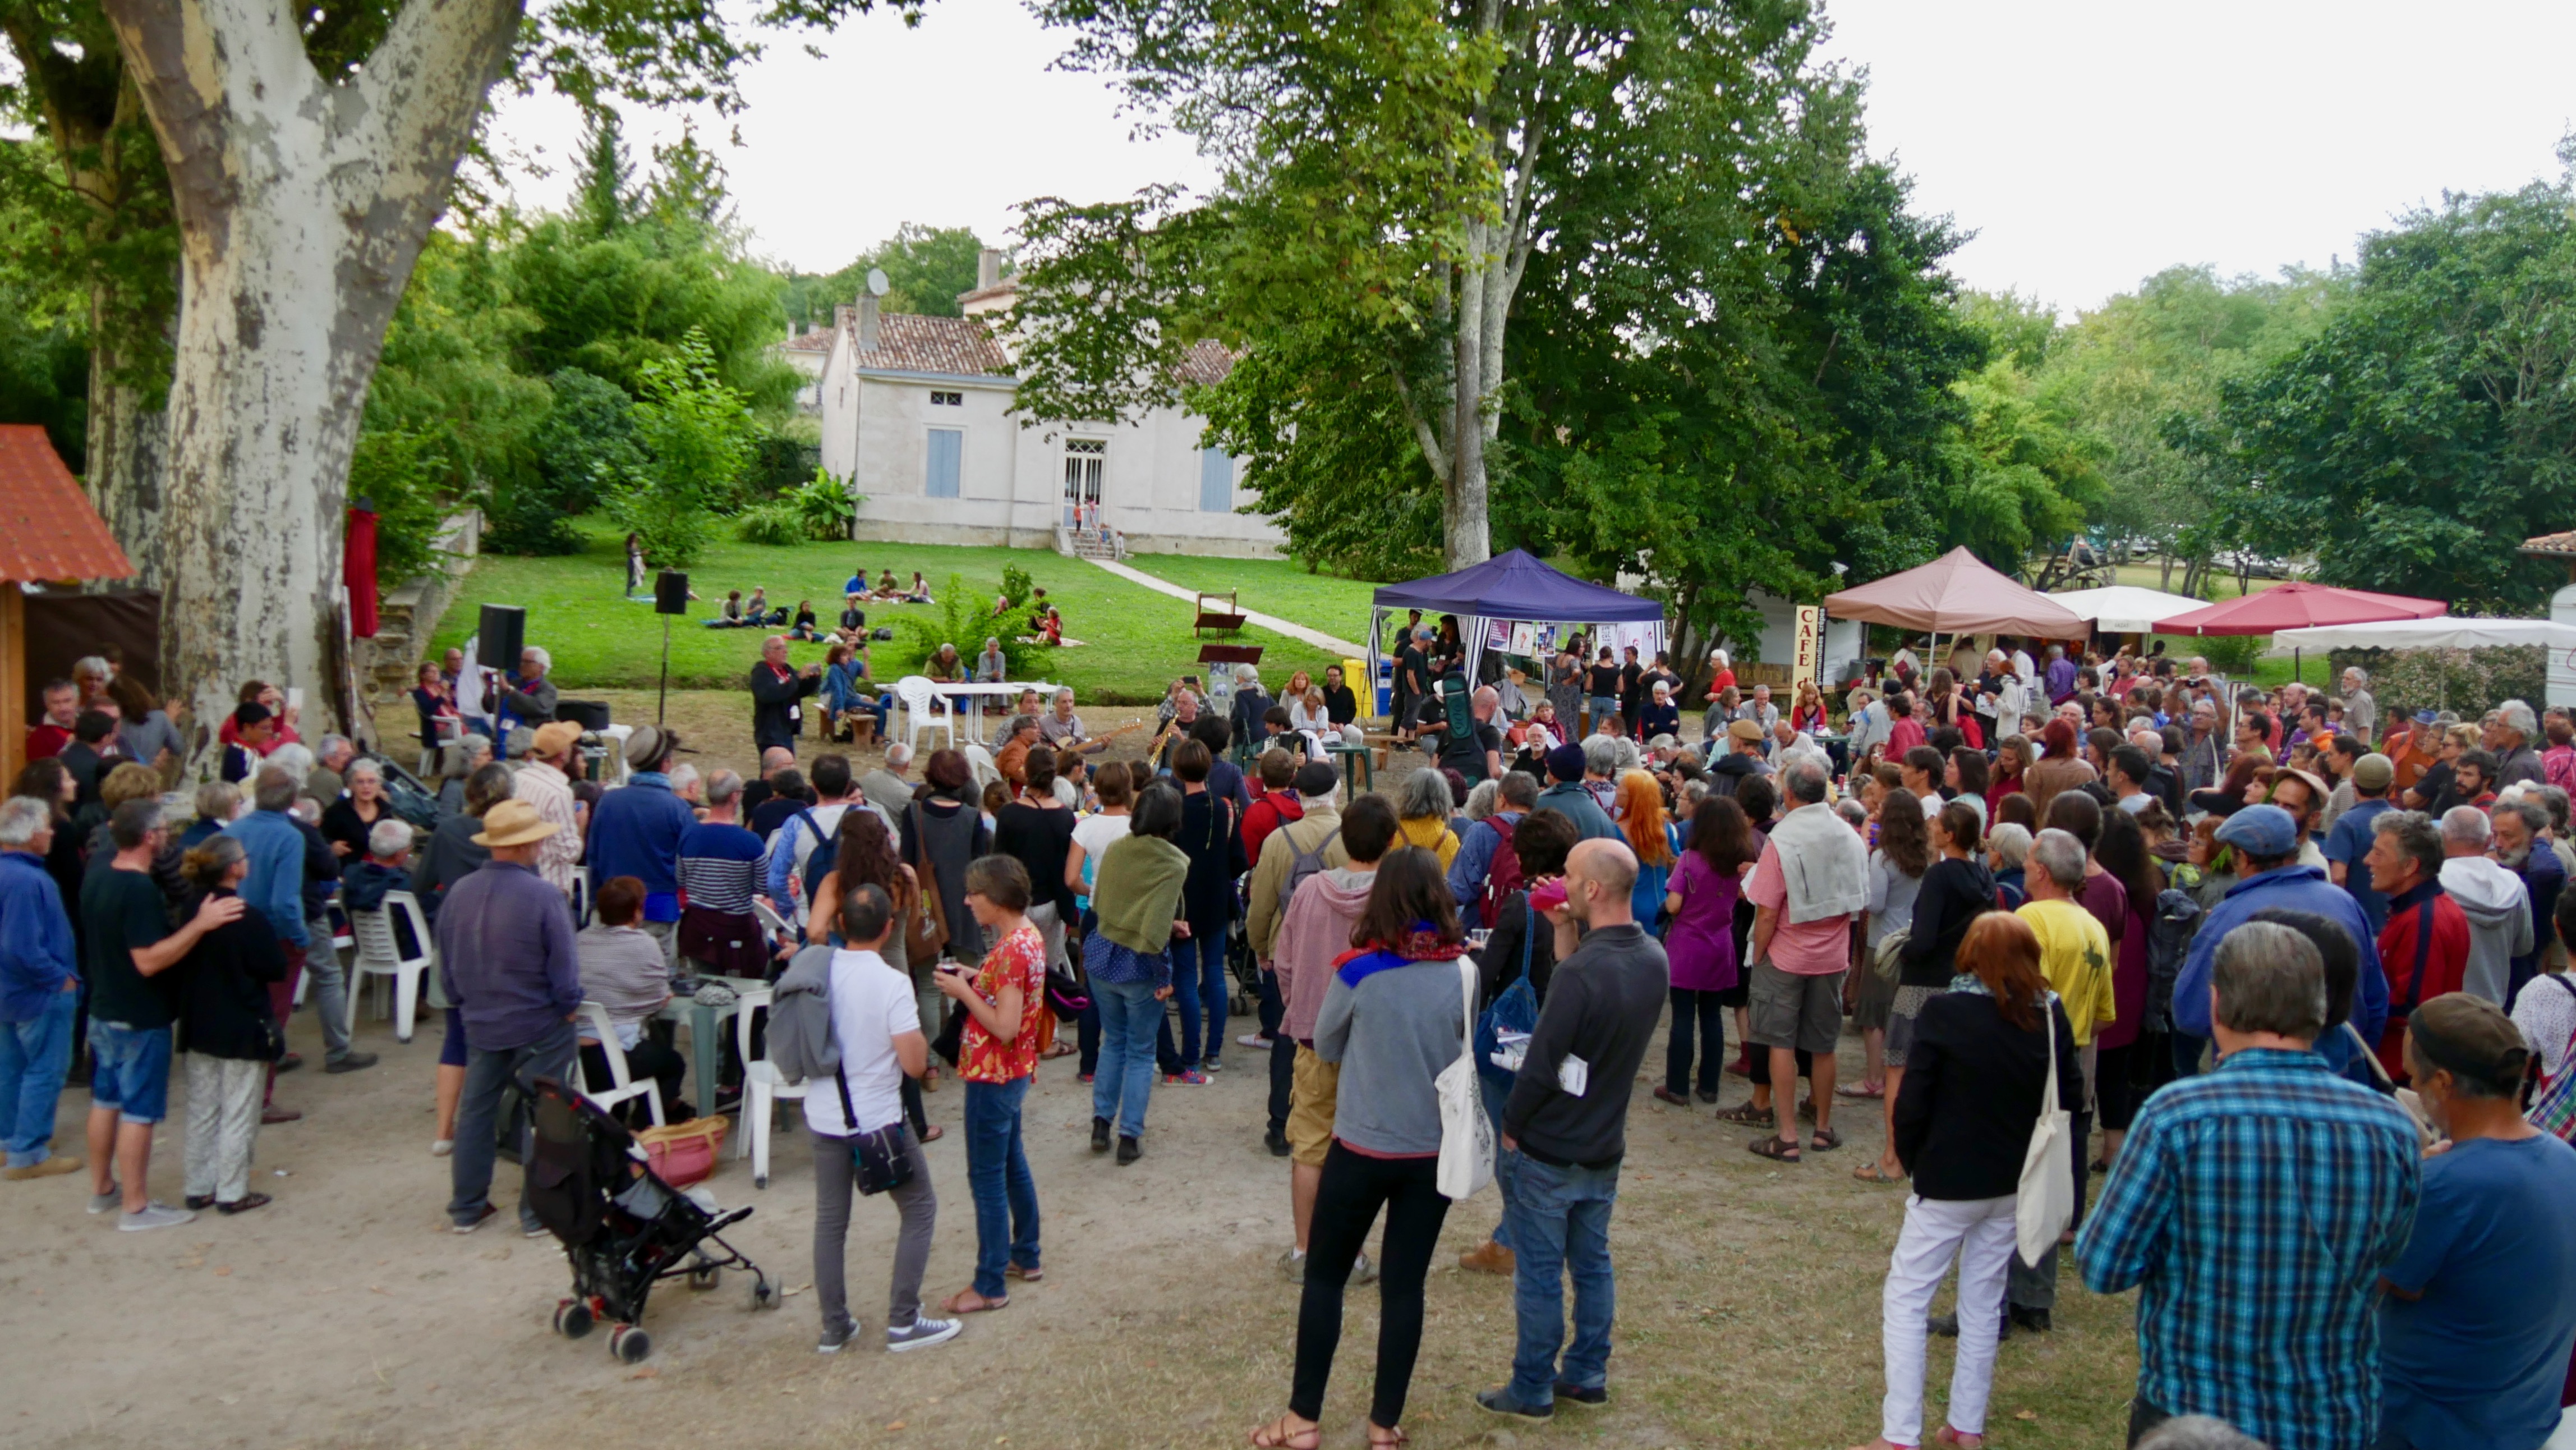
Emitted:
<point x="1592" y="1398"/>
<point x="152" y="1216"/>
<point x="922" y="1333"/>
<point x="351" y="1062"/>
<point x="1499" y="1400"/>
<point x="1189" y="1078"/>
<point x="1100" y="1135"/>
<point x="1129" y="1150"/>
<point x="1488" y="1257"/>
<point x="833" y="1339"/>
<point x="108" y="1202"/>
<point x="483" y="1216"/>
<point x="1292" y="1267"/>
<point x="1211" y="1063"/>
<point x="290" y="1062"/>
<point x="441" y="1147"/>
<point x="1253" y="1040"/>
<point x="53" y="1167"/>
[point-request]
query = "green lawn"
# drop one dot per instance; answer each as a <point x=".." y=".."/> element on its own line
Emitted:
<point x="1337" y="606"/>
<point x="1135" y="640"/>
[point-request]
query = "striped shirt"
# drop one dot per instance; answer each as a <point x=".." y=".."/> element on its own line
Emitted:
<point x="2257" y="1205"/>
<point x="719" y="867"/>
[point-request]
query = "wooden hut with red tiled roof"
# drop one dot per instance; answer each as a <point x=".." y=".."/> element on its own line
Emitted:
<point x="49" y="534"/>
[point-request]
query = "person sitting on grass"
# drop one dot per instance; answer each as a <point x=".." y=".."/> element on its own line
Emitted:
<point x="731" y="616"/>
<point x="803" y="626"/>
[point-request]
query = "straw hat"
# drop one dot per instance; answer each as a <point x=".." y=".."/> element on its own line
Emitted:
<point x="555" y="736"/>
<point x="513" y="823"/>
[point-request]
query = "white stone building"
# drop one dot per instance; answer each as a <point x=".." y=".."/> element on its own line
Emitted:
<point x="915" y="414"/>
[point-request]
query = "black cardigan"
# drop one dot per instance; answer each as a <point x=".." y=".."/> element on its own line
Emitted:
<point x="1954" y="893"/>
<point x="1971" y="1096"/>
<point x="223" y="986"/>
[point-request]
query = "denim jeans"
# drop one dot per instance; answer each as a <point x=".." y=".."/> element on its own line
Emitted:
<point x="1561" y="1229"/>
<point x="33" y="1056"/>
<point x="1198" y="984"/>
<point x="1506" y="1160"/>
<point x="478" y="1113"/>
<point x="330" y="992"/>
<point x="1272" y="1009"/>
<point x="997" y="1171"/>
<point x="1124" y="1083"/>
<point x="1694" y="1008"/>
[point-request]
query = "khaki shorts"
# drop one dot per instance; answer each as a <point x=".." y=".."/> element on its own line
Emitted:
<point x="1789" y="1010"/>
<point x="1312" y="1093"/>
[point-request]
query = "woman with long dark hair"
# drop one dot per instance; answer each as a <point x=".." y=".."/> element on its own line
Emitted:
<point x="2012" y="758"/>
<point x="867" y="855"/>
<point x="1964" y="1113"/>
<point x="1700" y="943"/>
<point x="1391" y="1020"/>
<point x="943" y="831"/>
<point x="2123" y="854"/>
<point x="997" y="1058"/>
<point x="1896" y="867"/>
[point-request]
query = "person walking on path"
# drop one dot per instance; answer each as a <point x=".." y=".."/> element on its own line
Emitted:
<point x="1137" y="909"/>
<point x="1977" y="1062"/>
<point x="1390" y="1021"/>
<point x="507" y="954"/>
<point x="232" y="1033"/>
<point x="39" y="993"/>
<point x="1602" y="1004"/>
<point x="877" y="1041"/>
<point x="997" y="1058"/>
<point x="2255" y="1207"/>
<point x="1812" y="880"/>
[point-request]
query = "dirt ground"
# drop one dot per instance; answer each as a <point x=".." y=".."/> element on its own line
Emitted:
<point x="345" y="1315"/>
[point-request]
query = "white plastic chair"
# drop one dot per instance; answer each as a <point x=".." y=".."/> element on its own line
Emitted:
<point x="924" y="708"/>
<point x="772" y="924"/>
<point x="980" y="761"/>
<point x="763" y="1088"/>
<point x="596" y="1023"/>
<point x="379" y="954"/>
<point x="450" y="731"/>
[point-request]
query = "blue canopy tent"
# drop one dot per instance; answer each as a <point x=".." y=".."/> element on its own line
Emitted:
<point x="1512" y="589"/>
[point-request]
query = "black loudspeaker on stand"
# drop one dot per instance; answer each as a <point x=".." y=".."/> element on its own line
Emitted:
<point x="502" y="638"/>
<point x="670" y="597"/>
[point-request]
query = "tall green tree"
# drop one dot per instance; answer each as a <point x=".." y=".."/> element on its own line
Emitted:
<point x="926" y="269"/>
<point x="695" y="437"/>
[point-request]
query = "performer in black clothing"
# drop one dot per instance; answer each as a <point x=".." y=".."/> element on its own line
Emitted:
<point x="776" y="686"/>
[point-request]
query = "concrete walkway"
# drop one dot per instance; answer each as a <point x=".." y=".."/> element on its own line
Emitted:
<point x="1320" y="640"/>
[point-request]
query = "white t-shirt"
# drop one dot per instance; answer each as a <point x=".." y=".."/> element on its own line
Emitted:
<point x="872" y="1005"/>
<point x="1096" y="834"/>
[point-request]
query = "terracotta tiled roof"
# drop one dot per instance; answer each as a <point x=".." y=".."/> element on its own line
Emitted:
<point x="47" y="528"/>
<point x="1207" y="363"/>
<point x="1004" y="288"/>
<point x="2551" y="544"/>
<point x="819" y="340"/>
<point x="907" y="343"/>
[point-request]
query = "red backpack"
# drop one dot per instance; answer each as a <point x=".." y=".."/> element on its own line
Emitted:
<point x="1502" y="874"/>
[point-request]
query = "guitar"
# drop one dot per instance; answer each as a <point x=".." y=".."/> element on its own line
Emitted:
<point x="1093" y="745"/>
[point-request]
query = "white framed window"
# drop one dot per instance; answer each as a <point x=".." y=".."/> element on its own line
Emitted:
<point x="1085" y="459"/>
<point x="945" y="453"/>
<point x="1216" y="481"/>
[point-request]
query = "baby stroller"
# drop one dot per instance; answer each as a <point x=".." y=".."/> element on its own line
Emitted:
<point x="622" y="1227"/>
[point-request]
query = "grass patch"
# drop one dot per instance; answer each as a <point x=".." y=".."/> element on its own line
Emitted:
<point x="1134" y="640"/>
<point x="1337" y="606"/>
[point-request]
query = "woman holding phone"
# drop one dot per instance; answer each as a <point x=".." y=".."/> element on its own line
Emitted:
<point x="997" y="1058"/>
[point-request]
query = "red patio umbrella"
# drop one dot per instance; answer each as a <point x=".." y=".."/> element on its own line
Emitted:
<point x="2297" y="605"/>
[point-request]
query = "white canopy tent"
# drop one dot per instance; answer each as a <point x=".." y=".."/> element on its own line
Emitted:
<point x="2450" y="632"/>
<point x="2125" y="608"/>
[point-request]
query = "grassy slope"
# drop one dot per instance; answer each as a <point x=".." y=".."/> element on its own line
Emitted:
<point x="1135" y="640"/>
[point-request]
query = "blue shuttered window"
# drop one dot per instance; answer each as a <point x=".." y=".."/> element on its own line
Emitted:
<point x="1216" y="481"/>
<point x="947" y="445"/>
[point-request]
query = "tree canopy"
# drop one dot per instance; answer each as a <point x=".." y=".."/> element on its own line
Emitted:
<point x="926" y="268"/>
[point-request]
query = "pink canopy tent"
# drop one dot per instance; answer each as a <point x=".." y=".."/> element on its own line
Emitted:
<point x="2299" y="605"/>
<point x="1957" y="594"/>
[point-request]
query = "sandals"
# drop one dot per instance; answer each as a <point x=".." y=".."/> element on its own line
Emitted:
<point x="1772" y="1145"/>
<point x="956" y="1303"/>
<point x="1750" y="1116"/>
<point x="1861" y="1090"/>
<point x="1825" y="1140"/>
<point x="1960" y="1438"/>
<point x="1279" y="1435"/>
<point x="932" y="1134"/>
<point x="1872" y="1173"/>
<point x="1383" y="1437"/>
<point x="1025" y="1276"/>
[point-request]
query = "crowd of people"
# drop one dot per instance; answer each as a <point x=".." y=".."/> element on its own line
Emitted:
<point x="2290" y="984"/>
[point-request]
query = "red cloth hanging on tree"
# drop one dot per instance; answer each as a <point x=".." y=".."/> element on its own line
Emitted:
<point x="358" y="571"/>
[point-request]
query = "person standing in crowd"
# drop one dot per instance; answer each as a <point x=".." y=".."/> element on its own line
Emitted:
<point x="346" y="819"/>
<point x="1954" y="891"/>
<point x="2256" y="1208"/>
<point x="1566" y="768"/>
<point x="788" y="868"/>
<point x="1390" y="1020"/>
<point x="2494" y="900"/>
<point x="545" y="782"/>
<point x="997" y="1058"/>
<point x="635" y="831"/>
<point x="1977" y="1063"/>
<point x="2125" y="860"/>
<point x="1215" y="848"/>
<point x="2425" y="945"/>
<point x="878" y="1046"/>
<point x="280" y="856"/>
<point x="232" y="1033"/>
<point x="942" y="834"/>
<point x="885" y="787"/>
<point x="718" y="869"/>
<point x="2058" y="768"/>
<point x="2480" y="1315"/>
<point x="1485" y="848"/>
<point x="624" y="971"/>
<point x="40" y="987"/>
<point x="1036" y="829"/>
<point x="1812" y="880"/>
<point x="1523" y="944"/>
<point x="126" y="942"/>
<point x="1605" y="995"/>
<point x="1138" y="907"/>
<point x="2510" y="738"/>
<point x="1896" y="865"/>
<point x="1700" y="943"/>
<point x="778" y="690"/>
<point x="508" y="959"/>
<point x="2348" y="840"/>
<point x="866" y="856"/>
<point x="1278" y="804"/>
<point x="2266" y="843"/>
<point x="2075" y="958"/>
<point x="2521" y="829"/>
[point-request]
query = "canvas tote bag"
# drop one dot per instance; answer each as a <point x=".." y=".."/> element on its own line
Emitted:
<point x="1466" y="1134"/>
<point x="2047" y="1201"/>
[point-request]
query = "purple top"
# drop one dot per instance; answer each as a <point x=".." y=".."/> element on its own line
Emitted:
<point x="1701" y="939"/>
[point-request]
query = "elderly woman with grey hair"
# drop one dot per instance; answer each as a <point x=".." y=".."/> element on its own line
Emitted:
<point x="232" y="1030"/>
<point x="1423" y="806"/>
<point x="346" y="821"/>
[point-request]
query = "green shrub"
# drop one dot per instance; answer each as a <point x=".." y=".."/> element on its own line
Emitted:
<point x="816" y="511"/>
<point x="962" y="619"/>
<point x="697" y="439"/>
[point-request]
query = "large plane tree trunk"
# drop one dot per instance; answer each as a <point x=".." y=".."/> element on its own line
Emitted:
<point x="303" y="202"/>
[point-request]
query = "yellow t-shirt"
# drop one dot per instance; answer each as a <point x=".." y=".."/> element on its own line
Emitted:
<point x="2075" y="956"/>
<point x="1431" y="834"/>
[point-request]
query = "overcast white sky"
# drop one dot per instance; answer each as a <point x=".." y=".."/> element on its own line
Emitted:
<point x="2087" y="145"/>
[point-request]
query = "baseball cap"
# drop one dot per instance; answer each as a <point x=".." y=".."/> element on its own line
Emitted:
<point x="1565" y="762"/>
<point x="2472" y="1037"/>
<point x="1315" y="779"/>
<point x="2264" y="831"/>
<point x="2374" y="772"/>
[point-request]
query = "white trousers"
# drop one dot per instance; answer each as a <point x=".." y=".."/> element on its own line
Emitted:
<point x="223" y="1123"/>
<point x="1980" y="1234"/>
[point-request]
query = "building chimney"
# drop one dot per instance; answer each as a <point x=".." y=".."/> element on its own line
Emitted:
<point x="842" y="316"/>
<point x="867" y="322"/>
<point x="988" y="269"/>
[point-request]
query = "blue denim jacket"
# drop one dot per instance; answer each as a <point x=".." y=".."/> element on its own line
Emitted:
<point x="35" y="938"/>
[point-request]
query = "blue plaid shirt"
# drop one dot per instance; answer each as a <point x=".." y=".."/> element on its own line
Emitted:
<point x="2258" y="1205"/>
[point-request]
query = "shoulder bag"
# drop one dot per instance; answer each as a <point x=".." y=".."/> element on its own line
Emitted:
<point x="2407" y="1098"/>
<point x="1515" y="1008"/>
<point x="2047" y="1200"/>
<point x="880" y="1157"/>
<point x="1466" y="1134"/>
